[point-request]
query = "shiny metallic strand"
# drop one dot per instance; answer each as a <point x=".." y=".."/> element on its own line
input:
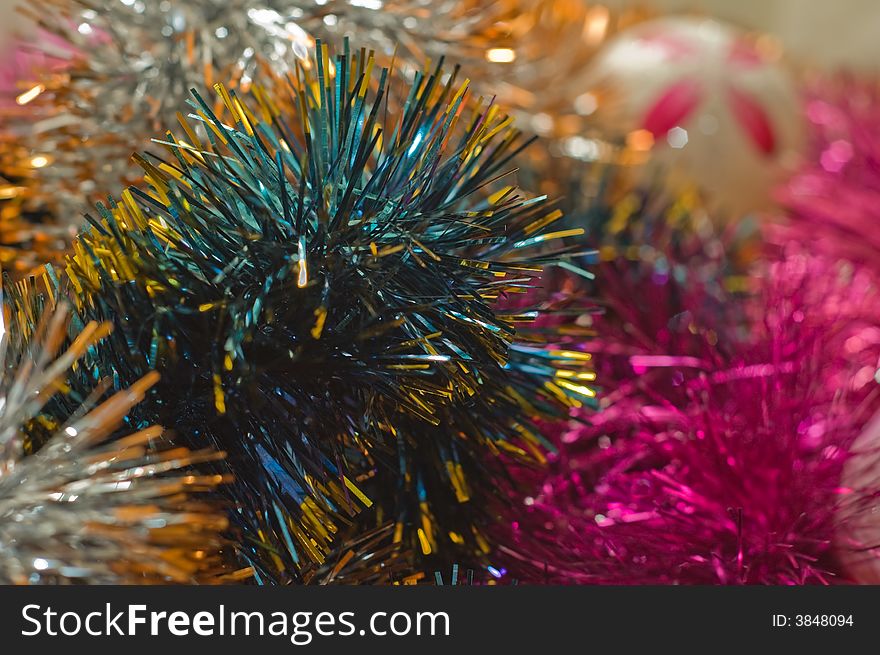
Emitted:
<point x="833" y="201"/>
<point x="90" y="506"/>
<point x="368" y="558"/>
<point x="130" y="67"/>
<point x="29" y="234"/>
<point x="718" y="455"/>
<point x="132" y="63"/>
<point x="532" y="56"/>
<point x="317" y="286"/>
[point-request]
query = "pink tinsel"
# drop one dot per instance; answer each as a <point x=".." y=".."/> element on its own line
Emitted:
<point x="835" y="202"/>
<point x="718" y="457"/>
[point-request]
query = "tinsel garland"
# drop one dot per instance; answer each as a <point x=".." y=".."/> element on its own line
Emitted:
<point x="317" y="290"/>
<point x="369" y="557"/>
<point x="833" y="202"/>
<point x="29" y="236"/>
<point x="717" y="457"/>
<point x="92" y="505"/>
<point x="130" y="66"/>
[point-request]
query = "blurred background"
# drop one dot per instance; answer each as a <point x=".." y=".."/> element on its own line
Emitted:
<point x="833" y="34"/>
<point x="842" y="33"/>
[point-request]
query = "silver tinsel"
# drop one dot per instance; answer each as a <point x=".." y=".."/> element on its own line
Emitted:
<point x="90" y="506"/>
<point x="130" y="67"/>
<point x="116" y="72"/>
<point x="132" y="63"/>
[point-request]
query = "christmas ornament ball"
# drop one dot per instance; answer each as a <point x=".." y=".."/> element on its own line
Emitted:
<point x="713" y="107"/>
